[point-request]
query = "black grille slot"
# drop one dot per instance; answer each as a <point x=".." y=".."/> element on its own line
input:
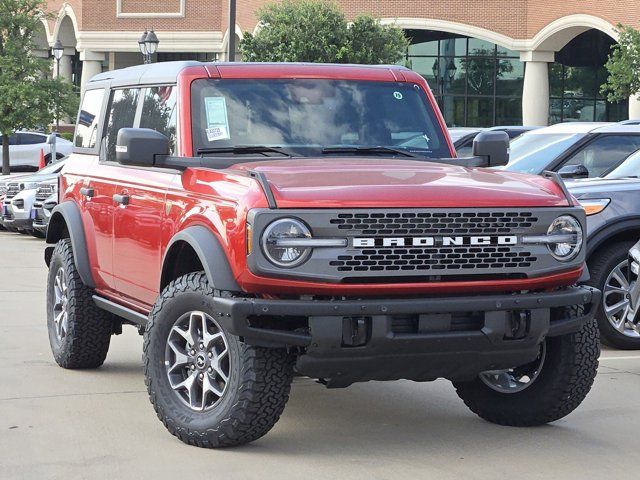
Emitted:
<point x="435" y="223"/>
<point x="458" y="258"/>
<point x="12" y="190"/>
<point x="44" y="192"/>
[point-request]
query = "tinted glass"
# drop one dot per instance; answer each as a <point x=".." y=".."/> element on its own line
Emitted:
<point x="604" y="153"/>
<point x="307" y="115"/>
<point x="88" y="119"/>
<point x="31" y="138"/>
<point x="629" y="168"/>
<point x="122" y="113"/>
<point x="159" y="112"/>
<point x="532" y="153"/>
<point x="13" y="139"/>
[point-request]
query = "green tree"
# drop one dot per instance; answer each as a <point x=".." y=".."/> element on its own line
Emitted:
<point x="623" y="66"/>
<point x="317" y="31"/>
<point x="29" y="97"/>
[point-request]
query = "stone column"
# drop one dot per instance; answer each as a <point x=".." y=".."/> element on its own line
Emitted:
<point x="634" y="107"/>
<point x="535" y="92"/>
<point x="66" y="71"/>
<point x="91" y="65"/>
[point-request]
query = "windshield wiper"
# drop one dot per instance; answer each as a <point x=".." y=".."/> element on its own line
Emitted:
<point x="240" y="149"/>
<point x="371" y="149"/>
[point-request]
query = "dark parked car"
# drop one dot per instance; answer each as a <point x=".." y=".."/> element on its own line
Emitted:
<point x="575" y="150"/>
<point x="463" y="137"/>
<point x="613" y="227"/>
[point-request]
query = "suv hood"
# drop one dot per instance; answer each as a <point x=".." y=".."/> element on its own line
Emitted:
<point x="588" y="186"/>
<point x="370" y="183"/>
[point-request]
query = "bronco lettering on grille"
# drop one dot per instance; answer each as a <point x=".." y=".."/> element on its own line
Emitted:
<point x="360" y="242"/>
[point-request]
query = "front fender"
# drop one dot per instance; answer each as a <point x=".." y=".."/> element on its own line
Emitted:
<point x="211" y="254"/>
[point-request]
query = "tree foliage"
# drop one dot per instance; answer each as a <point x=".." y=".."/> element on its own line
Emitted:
<point x="317" y="31"/>
<point x="29" y="97"/>
<point x="623" y="66"/>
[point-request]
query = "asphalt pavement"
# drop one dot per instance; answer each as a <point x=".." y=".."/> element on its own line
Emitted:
<point x="61" y="424"/>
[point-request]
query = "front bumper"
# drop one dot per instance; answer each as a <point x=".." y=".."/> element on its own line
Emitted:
<point x="18" y="218"/>
<point x="346" y="341"/>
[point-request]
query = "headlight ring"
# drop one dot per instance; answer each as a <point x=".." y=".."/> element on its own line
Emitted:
<point x="567" y="250"/>
<point x="285" y="229"/>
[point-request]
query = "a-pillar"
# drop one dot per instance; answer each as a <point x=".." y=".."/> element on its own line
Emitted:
<point x="535" y="92"/>
<point x="91" y="65"/>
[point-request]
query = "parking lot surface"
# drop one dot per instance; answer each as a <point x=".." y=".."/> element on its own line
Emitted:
<point x="98" y="424"/>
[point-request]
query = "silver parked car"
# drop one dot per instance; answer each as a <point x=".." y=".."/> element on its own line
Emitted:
<point x="612" y="204"/>
<point x="45" y="201"/>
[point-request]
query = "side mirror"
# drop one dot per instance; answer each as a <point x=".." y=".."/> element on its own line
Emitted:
<point x="51" y="139"/>
<point x="574" y="171"/>
<point x="493" y="146"/>
<point x="139" y="146"/>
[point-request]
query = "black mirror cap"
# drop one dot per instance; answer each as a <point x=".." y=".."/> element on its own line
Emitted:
<point x="574" y="171"/>
<point x="139" y="146"/>
<point x="492" y="145"/>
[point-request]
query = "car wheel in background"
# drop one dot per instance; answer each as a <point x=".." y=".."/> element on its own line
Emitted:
<point x="609" y="273"/>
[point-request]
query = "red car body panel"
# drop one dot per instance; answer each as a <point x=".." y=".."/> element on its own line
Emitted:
<point x="126" y="249"/>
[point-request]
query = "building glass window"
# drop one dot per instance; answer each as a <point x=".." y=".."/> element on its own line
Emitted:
<point x="476" y="83"/>
<point x="575" y="79"/>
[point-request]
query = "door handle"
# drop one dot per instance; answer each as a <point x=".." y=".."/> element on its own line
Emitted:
<point x="121" y="199"/>
<point x="87" y="192"/>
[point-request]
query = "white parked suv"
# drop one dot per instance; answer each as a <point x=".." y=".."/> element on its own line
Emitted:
<point x="20" y="196"/>
<point x="25" y="147"/>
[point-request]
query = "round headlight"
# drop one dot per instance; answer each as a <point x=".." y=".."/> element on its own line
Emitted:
<point x="282" y="230"/>
<point x="569" y="231"/>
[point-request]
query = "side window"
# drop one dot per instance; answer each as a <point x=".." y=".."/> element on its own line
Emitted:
<point x="122" y="113"/>
<point x="13" y="139"/>
<point x="31" y="138"/>
<point x="88" y="119"/>
<point x="159" y="112"/>
<point x="604" y="153"/>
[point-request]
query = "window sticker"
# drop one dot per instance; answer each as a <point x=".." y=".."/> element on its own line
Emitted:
<point x="397" y="95"/>
<point x="217" y="119"/>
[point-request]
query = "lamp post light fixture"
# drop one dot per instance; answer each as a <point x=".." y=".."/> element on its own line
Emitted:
<point x="148" y="44"/>
<point x="58" y="51"/>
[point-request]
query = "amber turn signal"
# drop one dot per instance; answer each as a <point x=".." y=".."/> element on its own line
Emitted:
<point x="594" y="205"/>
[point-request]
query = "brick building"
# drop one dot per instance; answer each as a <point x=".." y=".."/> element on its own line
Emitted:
<point x="488" y="61"/>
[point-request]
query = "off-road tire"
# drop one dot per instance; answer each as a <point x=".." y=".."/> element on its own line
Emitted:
<point x="566" y="377"/>
<point x="600" y="266"/>
<point x="89" y="329"/>
<point x="259" y="381"/>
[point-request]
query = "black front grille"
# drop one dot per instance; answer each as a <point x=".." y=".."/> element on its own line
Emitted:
<point x="434" y="223"/>
<point x="429" y="258"/>
<point x="12" y="190"/>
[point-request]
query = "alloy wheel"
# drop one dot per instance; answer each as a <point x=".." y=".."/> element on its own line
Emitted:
<point x="197" y="361"/>
<point x="616" y="302"/>
<point x="60" y="305"/>
<point x="514" y="380"/>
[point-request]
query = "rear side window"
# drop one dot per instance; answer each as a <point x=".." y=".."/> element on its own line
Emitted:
<point x="605" y="153"/>
<point x="31" y="138"/>
<point x="13" y="139"/>
<point x="122" y="114"/>
<point x="88" y="119"/>
<point x="159" y="112"/>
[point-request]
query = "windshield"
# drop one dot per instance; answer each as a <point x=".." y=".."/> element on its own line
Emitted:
<point x="532" y="153"/>
<point x="629" y="168"/>
<point x="305" y="116"/>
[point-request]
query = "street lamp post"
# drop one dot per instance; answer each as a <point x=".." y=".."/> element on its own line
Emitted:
<point x="148" y="44"/>
<point x="58" y="51"/>
<point x="231" y="56"/>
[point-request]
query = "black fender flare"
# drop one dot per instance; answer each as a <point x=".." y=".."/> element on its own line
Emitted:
<point x="211" y="254"/>
<point x="67" y="214"/>
<point x="609" y="230"/>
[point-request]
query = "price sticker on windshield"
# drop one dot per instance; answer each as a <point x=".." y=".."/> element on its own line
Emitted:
<point x="397" y="95"/>
<point x="217" y="119"/>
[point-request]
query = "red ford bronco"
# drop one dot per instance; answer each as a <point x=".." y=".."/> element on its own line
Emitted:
<point x="261" y="221"/>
